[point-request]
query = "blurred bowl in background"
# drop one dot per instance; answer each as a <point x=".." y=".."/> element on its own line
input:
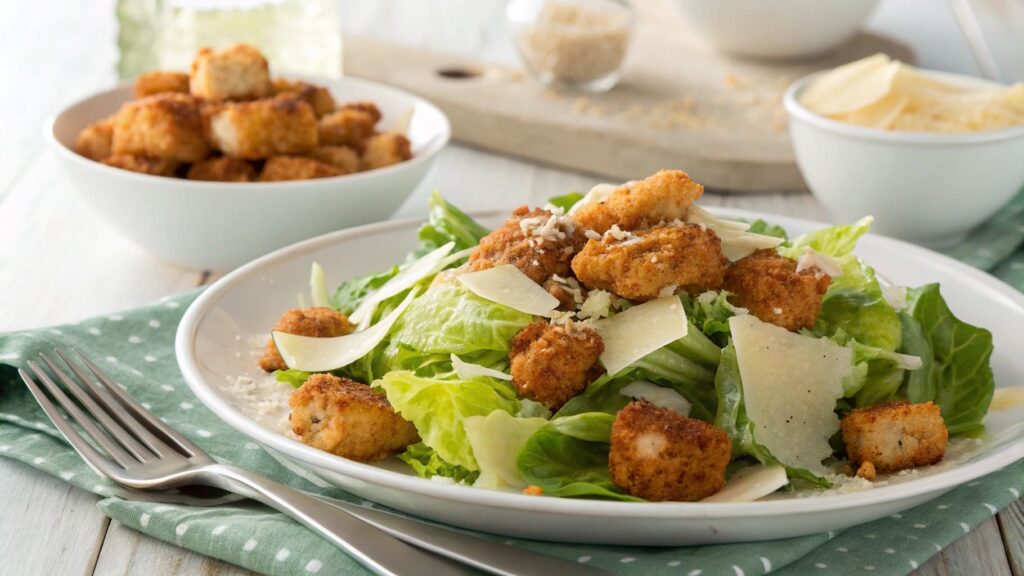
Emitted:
<point x="926" y="187"/>
<point x="780" y="29"/>
<point x="217" y="225"/>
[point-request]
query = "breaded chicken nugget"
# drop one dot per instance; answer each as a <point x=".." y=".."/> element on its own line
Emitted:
<point x="142" y="164"/>
<point x="343" y="158"/>
<point x="641" y="265"/>
<point x="657" y="454"/>
<point x="263" y="128"/>
<point x="281" y="168"/>
<point x="663" y="197"/>
<point x="551" y="364"/>
<point x="385" y="149"/>
<point x="536" y="241"/>
<point x="769" y="286"/>
<point x="96" y="141"/>
<point x="162" y="126"/>
<point x="346" y="127"/>
<point x="318" y="322"/>
<point x="364" y="106"/>
<point x="895" y="436"/>
<point x="222" y="169"/>
<point x="238" y="72"/>
<point x="160" y="81"/>
<point x="348" y="418"/>
<point x="316" y="96"/>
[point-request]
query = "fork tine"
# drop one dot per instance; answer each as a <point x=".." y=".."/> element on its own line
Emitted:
<point x="143" y="416"/>
<point x="98" y="462"/>
<point x="117" y="431"/>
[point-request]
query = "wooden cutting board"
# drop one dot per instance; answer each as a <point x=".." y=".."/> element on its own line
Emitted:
<point x="680" y="105"/>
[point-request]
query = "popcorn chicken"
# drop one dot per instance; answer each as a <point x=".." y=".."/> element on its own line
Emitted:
<point x="238" y="72"/>
<point x="316" y="96"/>
<point x="343" y="158"/>
<point x="662" y="197"/>
<point x="316" y="322"/>
<point x="363" y="106"/>
<point x="551" y="364"/>
<point x="280" y="168"/>
<point x="536" y="241"/>
<point x="222" y="169"/>
<point x="769" y="286"/>
<point x="385" y="149"/>
<point x="162" y="126"/>
<point x="159" y="82"/>
<point x="97" y="139"/>
<point x="263" y="128"/>
<point x="346" y="127"/>
<point x="894" y="436"/>
<point x="142" y="164"/>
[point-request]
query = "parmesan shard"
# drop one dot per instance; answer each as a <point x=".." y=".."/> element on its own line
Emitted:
<point x="634" y="333"/>
<point x="429" y="264"/>
<point x="751" y="483"/>
<point x="737" y="241"/>
<point x="658" y="395"/>
<point x="790" y="387"/>
<point x="508" y="286"/>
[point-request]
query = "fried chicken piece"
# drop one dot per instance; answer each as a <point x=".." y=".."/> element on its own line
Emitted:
<point x="343" y="158"/>
<point x="769" y="286"/>
<point x="317" y="322"/>
<point x="346" y="127"/>
<point x="281" y="168"/>
<point x="894" y="436"/>
<point x="363" y="106"/>
<point x="663" y="197"/>
<point x="238" y="72"/>
<point x="142" y="164"/>
<point x="222" y="169"/>
<point x="385" y="149"/>
<point x="657" y="454"/>
<point x="348" y="418"/>
<point x="96" y="141"/>
<point x="316" y="96"/>
<point x="551" y="364"/>
<point x="159" y="82"/>
<point x="646" y="264"/>
<point x="567" y="299"/>
<point x="263" y="128"/>
<point x="536" y="241"/>
<point x="166" y="126"/>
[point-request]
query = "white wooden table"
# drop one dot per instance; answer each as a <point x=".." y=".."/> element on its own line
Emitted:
<point x="60" y="263"/>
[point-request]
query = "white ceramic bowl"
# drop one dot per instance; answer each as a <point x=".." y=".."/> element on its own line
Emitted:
<point x="928" y="188"/>
<point x="778" y="29"/>
<point x="216" y="225"/>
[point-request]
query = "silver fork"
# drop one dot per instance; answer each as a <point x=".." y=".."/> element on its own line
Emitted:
<point x="144" y="453"/>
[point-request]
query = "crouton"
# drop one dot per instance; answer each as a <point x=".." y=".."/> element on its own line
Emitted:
<point x="222" y="169"/>
<point x="551" y="364"/>
<point x="238" y="72"/>
<point x="345" y="159"/>
<point x="646" y="264"/>
<point x="658" y="455"/>
<point x="142" y="164"/>
<point x="385" y="149"/>
<point x="264" y="128"/>
<point x="96" y="141"/>
<point x="159" y="82"/>
<point x="317" y="322"/>
<point x="348" y="418"/>
<point x="280" y="168"/>
<point x="346" y="127"/>
<point x="537" y="242"/>
<point x="769" y="286"/>
<point x="316" y="96"/>
<point x="663" y="197"/>
<point x="895" y="436"/>
<point x="162" y="126"/>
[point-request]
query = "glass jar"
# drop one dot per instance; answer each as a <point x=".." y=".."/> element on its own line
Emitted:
<point x="577" y="44"/>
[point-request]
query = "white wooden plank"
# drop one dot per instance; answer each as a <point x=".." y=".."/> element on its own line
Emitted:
<point x="130" y="553"/>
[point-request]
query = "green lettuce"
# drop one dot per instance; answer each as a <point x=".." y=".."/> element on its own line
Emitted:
<point x="710" y="312"/>
<point x="446" y="223"/>
<point x="496" y="440"/>
<point x="294" y="377"/>
<point x="768" y="229"/>
<point x="426" y="463"/>
<point x="566" y="201"/>
<point x="351" y="292"/>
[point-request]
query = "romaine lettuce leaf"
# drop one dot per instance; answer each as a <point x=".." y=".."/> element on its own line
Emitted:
<point x="496" y="440"/>
<point x="426" y="463"/>
<point x="566" y="201"/>
<point x="294" y="377"/>
<point x="351" y="292"/>
<point x="761" y="227"/>
<point x="446" y="223"/>
<point x="710" y="312"/>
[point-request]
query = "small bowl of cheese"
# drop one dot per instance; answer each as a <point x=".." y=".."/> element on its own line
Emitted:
<point x="931" y="155"/>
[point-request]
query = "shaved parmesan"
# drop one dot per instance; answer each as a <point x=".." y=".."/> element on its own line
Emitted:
<point x="630" y="335"/>
<point x="737" y="242"/>
<point x="658" y="395"/>
<point x="429" y="264"/>
<point x="467" y="371"/>
<point x="599" y="193"/>
<point x="811" y="258"/>
<point x="318" y="286"/>
<point x="1007" y="398"/>
<point x="324" y="354"/>
<point x="851" y="86"/>
<point x="508" y="286"/>
<point x="790" y="387"/>
<point x="751" y="483"/>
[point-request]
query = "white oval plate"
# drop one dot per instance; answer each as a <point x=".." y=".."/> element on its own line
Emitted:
<point x="222" y="335"/>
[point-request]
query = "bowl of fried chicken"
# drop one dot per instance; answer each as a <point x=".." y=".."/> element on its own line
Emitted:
<point x="212" y="167"/>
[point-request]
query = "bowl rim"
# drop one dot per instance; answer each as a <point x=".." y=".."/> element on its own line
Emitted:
<point x="433" y="145"/>
<point x="798" y="111"/>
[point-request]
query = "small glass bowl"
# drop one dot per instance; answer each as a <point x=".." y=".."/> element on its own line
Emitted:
<point x="575" y="44"/>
